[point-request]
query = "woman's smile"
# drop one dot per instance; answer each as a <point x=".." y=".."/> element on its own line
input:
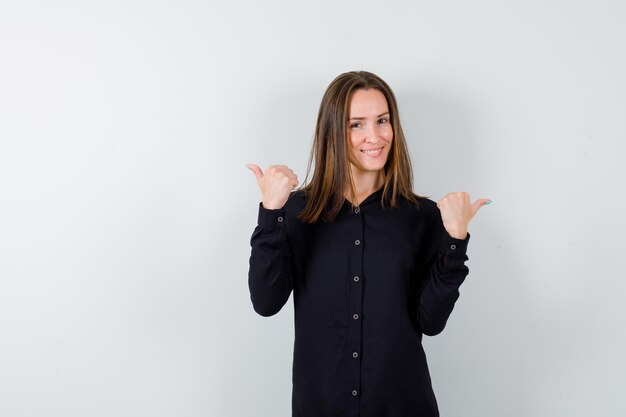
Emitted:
<point x="373" y="153"/>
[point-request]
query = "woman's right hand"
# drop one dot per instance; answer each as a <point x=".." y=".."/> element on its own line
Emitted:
<point x="275" y="184"/>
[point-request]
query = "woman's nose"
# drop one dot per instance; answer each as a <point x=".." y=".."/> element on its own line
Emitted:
<point x="370" y="135"/>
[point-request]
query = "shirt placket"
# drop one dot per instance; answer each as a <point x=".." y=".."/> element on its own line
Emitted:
<point x="356" y="307"/>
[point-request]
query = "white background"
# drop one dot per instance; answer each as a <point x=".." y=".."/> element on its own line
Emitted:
<point x="126" y="208"/>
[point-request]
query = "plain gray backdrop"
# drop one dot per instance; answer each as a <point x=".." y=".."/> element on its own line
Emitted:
<point x="126" y="208"/>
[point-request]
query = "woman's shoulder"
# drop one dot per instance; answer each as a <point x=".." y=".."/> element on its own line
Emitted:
<point x="421" y="204"/>
<point x="423" y="210"/>
<point x="427" y="203"/>
<point x="296" y="201"/>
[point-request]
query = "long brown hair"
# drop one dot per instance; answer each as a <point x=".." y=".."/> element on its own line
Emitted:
<point x="325" y="193"/>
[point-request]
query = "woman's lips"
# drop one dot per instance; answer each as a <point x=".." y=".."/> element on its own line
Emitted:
<point x="373" y="152"/>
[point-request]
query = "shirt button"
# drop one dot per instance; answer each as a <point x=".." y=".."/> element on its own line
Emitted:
<point x="280" y="219"/>
<point x="453" y="247"/>
<point x="355" y="354"/>
<point x="356" y="210"/>
<point x="356" y="279"/>
<point x="354" y="393"/>
<point x="357" y="242"/>
<point x="355" y="316"/>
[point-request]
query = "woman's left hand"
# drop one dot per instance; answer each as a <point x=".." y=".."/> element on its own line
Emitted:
<point x="457" y="211"/>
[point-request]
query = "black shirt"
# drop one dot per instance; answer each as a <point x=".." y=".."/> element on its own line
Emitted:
<point x="366" y="287"/>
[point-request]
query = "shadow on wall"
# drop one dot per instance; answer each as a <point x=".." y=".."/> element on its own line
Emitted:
<point x="480" y="364"/>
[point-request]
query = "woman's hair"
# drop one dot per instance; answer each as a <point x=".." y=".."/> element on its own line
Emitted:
<point x="325" y="193"/>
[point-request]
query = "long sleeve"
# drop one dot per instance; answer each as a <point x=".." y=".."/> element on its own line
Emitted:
<point x="270" y="275"/>
<point x="445" y="274"/>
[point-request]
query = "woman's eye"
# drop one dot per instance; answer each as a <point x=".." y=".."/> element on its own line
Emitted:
<point x="355" y="125"/>
<point x="382" y="121"/>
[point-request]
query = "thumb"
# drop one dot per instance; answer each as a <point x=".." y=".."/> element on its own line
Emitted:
<point x="255" y="170"/>
<point x="478" y="204"/>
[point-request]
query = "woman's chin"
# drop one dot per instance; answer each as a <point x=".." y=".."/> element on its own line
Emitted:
<point x="371" y="167"/>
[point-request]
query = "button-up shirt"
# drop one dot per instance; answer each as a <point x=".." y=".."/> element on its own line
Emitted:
<point x="366" y="287"/>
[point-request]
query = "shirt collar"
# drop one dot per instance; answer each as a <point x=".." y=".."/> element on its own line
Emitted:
<point x="375" y="196"/>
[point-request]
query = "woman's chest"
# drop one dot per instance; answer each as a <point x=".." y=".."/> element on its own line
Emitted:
<point x="379" y="249"/>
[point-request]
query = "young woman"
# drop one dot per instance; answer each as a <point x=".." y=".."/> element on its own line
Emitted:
<point x="372" y="265"/>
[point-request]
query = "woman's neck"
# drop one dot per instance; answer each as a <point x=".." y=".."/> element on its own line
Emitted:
<point x="364" y="185"/>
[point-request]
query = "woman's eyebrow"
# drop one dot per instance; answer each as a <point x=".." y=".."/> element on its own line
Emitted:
<point x="361" y="118"/>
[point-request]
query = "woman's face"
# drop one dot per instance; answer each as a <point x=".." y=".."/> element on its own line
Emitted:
<point x="369" y="130"/>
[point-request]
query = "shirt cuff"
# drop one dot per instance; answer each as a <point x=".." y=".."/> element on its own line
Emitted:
<point x="454" y="246"/>
<point x="271" y="218"/>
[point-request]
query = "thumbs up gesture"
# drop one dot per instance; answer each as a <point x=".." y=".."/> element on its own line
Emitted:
<point x="275" y="184"/>
<point x="457" y="211"/>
